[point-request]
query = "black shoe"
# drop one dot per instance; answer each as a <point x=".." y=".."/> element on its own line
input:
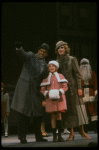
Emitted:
<point x="41" y="140"/>
<point x="55" y="138"/>
<point x="23" y="140"/>
<point x="60" y="139"/>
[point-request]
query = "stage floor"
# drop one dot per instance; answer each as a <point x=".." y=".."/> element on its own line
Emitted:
<point x="12" y="141"/>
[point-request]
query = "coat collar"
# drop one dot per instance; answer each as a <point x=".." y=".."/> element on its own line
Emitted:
<point x="48" y="79"/>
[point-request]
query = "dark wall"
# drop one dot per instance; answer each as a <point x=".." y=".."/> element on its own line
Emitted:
<point x="33" y="23"/>
<point x="77" y="25"/>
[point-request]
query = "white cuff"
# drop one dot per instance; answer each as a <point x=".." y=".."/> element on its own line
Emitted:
<point x="96" y="92"/>
<point x="45" y="93"/>
<point x="62" y="91"/>
<point x="18" y="48"/>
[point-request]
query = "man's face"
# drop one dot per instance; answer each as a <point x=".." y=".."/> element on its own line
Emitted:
<point x="42" y="53"/>
<point x="84" y="63"/>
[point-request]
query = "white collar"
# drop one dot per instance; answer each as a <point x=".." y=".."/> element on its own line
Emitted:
<point x="49" y="79"/>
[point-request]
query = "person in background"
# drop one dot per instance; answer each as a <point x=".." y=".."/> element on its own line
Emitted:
<point x="6" y="110"/>
<point x="27" y="99"/>
<point x="76" y="113"/>
<point x="53" y="88"/>
<point x="90" y="92"/>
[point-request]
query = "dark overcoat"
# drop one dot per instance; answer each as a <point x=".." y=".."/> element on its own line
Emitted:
<point x="27" y="97"/>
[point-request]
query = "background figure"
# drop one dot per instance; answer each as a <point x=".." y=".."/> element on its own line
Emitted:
<point x="76" y="113"/>
<point x="90" y="93"/>
<point x="53" y="88"/>
<point x="27" y="99"/>
<point x="5" y="109"/>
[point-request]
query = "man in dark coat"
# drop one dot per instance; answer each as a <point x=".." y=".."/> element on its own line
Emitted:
<point x="27" y="99"/>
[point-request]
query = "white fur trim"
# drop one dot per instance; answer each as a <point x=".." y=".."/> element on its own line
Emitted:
<point x="62" y="91"/>
<point x="96" y="92"/>
<point x="84" y="60"/>
<point x="18" y="48"/>
<point x="94" y="118"/>
<point x="58" y="78"/>
<point x="49" y="78"/>
<point x="54" y="94"/>
<point x="45" y="93"/>
<point x="89" y="99"/>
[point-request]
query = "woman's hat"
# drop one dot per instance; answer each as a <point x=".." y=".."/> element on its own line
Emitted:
<point x="60" y="43"/>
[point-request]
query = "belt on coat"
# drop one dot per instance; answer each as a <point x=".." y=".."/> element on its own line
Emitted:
<point x="88" y="86"/>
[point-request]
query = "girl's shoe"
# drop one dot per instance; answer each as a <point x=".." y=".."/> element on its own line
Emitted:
<point x="60" y="139"/>
<point x="55" y="138"/>
<point x="71" y="137"/>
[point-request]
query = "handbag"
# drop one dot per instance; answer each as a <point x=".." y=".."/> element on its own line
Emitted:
<point x="54" y="94"/>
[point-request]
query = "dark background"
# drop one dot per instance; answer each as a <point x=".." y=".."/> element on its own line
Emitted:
<point x="35" y="23"/>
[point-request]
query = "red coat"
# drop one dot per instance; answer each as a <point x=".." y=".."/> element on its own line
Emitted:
<point x="55" y="81"/>
<point x="89" y="96"/>
<point x="91" y="92"/>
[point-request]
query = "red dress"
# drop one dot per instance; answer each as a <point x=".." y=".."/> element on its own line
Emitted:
<point x="55" y="81"/>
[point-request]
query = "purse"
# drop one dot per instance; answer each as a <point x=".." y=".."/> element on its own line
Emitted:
<point x="54" y="94"/>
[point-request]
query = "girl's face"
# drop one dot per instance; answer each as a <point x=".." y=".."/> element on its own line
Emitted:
<point x="52" y="68"/>
<point x="61" y="50"/>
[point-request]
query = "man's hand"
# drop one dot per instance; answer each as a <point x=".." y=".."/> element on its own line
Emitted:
<point x="18" y="44"/>
<point x="43" y="103"/>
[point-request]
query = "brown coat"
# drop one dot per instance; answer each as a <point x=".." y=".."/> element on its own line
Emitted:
<point x="76" y="113"/>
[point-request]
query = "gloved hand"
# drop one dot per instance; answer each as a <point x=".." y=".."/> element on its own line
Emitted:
<point x="18" y="44"/>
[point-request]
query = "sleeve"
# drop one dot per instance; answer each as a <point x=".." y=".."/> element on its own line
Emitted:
<point x="64" y="86"/>
<point x="24" y="55"/>
<point x="76" y="72"/>
<point x="44" y="91"/>
<point x="94" y="76"/>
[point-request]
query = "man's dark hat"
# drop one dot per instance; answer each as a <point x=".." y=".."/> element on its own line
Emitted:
<point x="45" y="46"/>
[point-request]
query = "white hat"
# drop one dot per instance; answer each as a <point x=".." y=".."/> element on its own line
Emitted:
<point x="84" y="60"/>
<point x="54" y="63"/>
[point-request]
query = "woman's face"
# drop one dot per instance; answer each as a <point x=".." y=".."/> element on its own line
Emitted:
<point x="52" y="68"/>
<point x="61" y="50"/>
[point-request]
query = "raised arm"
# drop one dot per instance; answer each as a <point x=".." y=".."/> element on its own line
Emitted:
<point x="21" y="52"/>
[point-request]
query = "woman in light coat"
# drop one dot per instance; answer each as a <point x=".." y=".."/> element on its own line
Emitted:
<point x="54" y="88"/>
